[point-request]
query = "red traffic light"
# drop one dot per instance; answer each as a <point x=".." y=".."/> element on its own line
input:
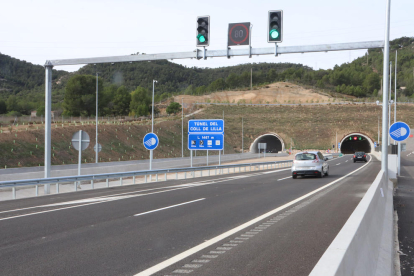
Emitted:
<point x="355" y="138"/>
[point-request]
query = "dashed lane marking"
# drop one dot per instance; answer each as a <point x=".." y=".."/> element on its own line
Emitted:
<point x="158" y="267"/>
<point x="168" y="207"/>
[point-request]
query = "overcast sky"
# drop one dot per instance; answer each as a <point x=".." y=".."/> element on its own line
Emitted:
<point x="40" y="30"/>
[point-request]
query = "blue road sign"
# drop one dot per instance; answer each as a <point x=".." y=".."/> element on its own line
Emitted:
<point x="399" y="131"/>
<point x="375" y="144"/>
<point x="205" y="126"/>
<point x="150" y="141"/>
<point x="204" y="141"/>
<point x="339" y="145"/>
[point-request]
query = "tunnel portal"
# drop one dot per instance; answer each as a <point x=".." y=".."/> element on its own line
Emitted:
<point x="356" y="142"/>
<point x="274" y="143"/>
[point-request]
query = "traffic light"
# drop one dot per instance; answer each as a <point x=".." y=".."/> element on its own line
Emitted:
<point x="203" y="31"/>
<point x="275" y="26"/>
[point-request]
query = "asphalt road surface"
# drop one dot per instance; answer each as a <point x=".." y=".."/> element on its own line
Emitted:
<point x="253" y="223"/>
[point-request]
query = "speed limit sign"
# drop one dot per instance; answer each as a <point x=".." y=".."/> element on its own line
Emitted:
<point x="238" y="34"/>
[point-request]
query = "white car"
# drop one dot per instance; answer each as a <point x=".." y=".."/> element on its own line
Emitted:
<point x="310" y="163"/>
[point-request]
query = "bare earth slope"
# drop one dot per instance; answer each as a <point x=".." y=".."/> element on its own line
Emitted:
<point x="280" y="92"/>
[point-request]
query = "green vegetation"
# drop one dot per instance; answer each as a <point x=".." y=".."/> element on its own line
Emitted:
<point x="22" y="83"/>
<point x="174" y="108"/>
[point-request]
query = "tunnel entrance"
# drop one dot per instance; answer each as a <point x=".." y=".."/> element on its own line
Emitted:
<point x="356" y="142"/>
<point x="274" y="143"/>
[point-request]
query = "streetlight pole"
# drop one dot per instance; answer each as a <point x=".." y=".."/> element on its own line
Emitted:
<point x="395" y="89"/>
<point x="389" y="106"/>
<point x="384" y="147"/>
<point x="152" y="121"/>
<point x="223" y="135"/>
<point x="96" y="121"/>
<point x="242" y="137"/>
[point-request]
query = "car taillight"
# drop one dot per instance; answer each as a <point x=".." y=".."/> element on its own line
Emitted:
<point x="365" y="155"/>
<point x="354" y="156"/>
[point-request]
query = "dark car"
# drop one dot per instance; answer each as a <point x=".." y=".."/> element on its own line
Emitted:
<point x="360" y="156"/>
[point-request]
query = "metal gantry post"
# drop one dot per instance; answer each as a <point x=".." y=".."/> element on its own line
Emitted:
<point x="96" y="143"/>
<point x="48" y="124"/>
<point x="384" y="146"/>
<point x="242" y="136"/>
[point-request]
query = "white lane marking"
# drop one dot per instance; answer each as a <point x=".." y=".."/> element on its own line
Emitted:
<point x="107" y="198"/>
<point x="346" y="161"/>
<point x="197" y="248"/>
<point x="284" y="178"/>
<point x="168" y="207"/>
<point x="338" y="164"/>
<point x="70" y="207"/>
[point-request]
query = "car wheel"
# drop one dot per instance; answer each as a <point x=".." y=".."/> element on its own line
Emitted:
<point x="327" y="173"/>
<point x="294" y="176"/>
<point x="320" y="175"/>
<point x="354" y="161"/>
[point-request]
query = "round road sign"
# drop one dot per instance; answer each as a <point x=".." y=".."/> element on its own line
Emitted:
<point x="399" y="131"/>
<point x="150" y="141"/>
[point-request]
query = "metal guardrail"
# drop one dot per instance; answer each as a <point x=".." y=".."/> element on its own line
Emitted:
<point x="95" y="177"/>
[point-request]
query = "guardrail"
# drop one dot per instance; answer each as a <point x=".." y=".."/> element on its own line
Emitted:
<point x="93" y="178"/>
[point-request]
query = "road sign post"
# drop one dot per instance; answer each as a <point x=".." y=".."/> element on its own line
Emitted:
<point x="150" y="142"/>
<point x="206" y="135"/>
<point x="97" y="148"/>
<point x="80" y="142"/>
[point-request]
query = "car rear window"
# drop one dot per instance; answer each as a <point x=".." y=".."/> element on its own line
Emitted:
<point x="305" y="156"/>
<point x="359" y="153"/>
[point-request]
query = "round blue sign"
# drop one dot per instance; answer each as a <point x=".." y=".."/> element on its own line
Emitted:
<point x="399" y="131"/>
<point x="150" y="141"/>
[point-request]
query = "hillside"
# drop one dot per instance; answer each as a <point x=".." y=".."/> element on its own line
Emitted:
<point x="308" y="127"/>
<point x="279" y="92"/>
<point x="22" y="83"/>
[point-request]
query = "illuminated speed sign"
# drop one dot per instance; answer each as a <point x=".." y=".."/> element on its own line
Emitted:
<point x="238" y="34"/>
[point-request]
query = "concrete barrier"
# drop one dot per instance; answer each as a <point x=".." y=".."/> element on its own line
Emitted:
<point x="364" y="246"/>
<point x="392" y="166"/>
<point x="328" y="155"/>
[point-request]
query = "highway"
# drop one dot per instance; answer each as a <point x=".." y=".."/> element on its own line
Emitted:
<point x="253" y="223"/>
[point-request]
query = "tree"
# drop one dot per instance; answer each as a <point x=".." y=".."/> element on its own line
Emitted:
<point x="3" y="107"/>
<point x="40" y="111"/>
<point x="232" y="81"/>
<point x="140" y="101"/>
<point x="271" y="75"/>
<point x="372" y="82"/>
<point x="174" y="108"/>
<point x="80" y="95"/>
<point x="12" y="104"/>
<point x="105" y="101"/>
<point x="122" y="100"/>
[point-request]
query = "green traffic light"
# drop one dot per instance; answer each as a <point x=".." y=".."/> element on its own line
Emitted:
<point x="201" y="38"/>
<point x="274" y="34"/>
